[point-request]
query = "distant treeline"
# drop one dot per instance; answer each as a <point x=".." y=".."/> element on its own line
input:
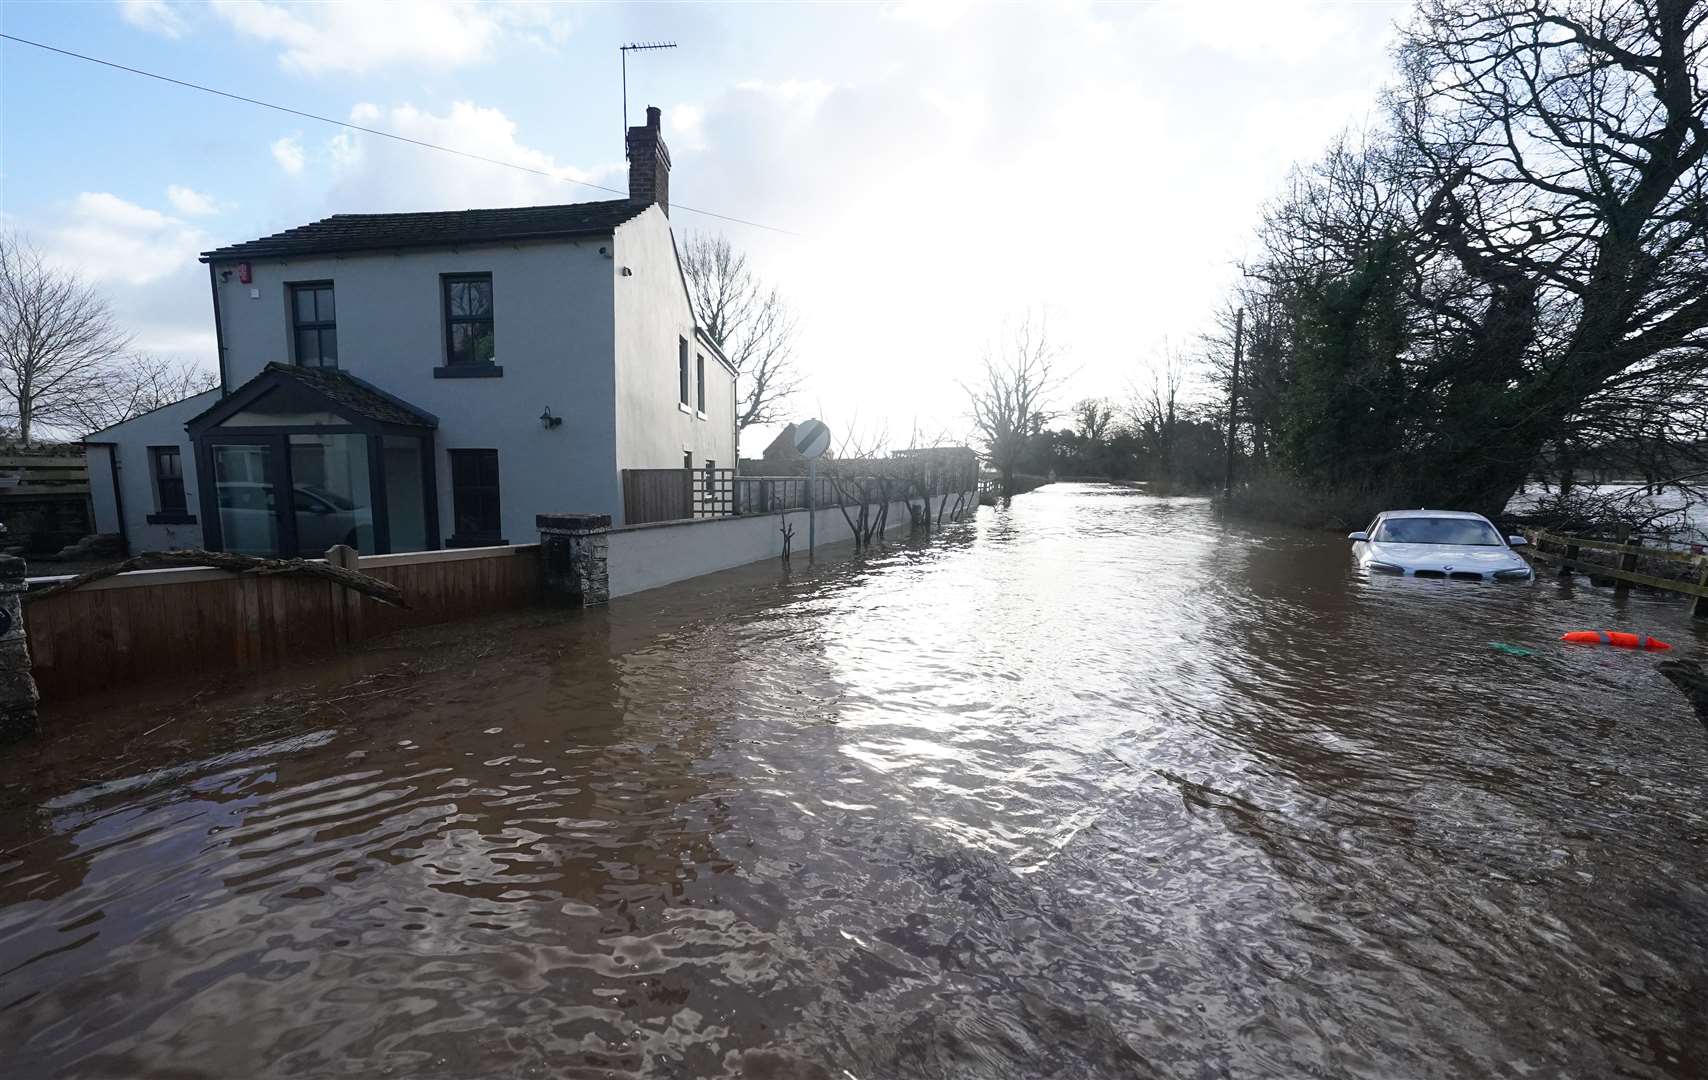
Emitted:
<point x="1180" y="449"/>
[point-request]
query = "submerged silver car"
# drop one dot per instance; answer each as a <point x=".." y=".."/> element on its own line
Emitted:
<point x="1439" y="544"/>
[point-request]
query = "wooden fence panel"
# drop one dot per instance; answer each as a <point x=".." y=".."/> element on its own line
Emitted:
<point x="132" y="629"/>
<point x="657" y="495"/>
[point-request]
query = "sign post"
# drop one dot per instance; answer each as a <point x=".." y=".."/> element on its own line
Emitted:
<point x="812" y="439"/>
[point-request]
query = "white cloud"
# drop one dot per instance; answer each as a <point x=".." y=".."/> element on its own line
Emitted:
<point x="931" y="14"/>
<point x="155" y="16"/>
<point x="1287" y="30"/>
<point x="686" y="125"/>
<point x="804" y="95"/>
<point x="288" y="153"/>
<point x="374" y="174"/>
<point x="358" y="36"/>
<point x="107" y="239"/>
<point x="190" y="202"/>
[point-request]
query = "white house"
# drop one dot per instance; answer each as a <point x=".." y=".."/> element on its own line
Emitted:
<point x="412" y="381"/>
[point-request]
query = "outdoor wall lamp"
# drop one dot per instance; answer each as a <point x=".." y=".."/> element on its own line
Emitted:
<point x="548" y="421"/>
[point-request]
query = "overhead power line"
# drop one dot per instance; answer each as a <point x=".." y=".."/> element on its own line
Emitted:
<point x="376" y="131"/>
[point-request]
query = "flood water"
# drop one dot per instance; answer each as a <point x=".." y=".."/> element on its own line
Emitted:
<point x="1092" y="786"/>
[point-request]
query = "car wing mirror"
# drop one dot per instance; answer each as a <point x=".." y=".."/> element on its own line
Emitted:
<point x="1358" y="536"/>
<point x="1517" y="541"/>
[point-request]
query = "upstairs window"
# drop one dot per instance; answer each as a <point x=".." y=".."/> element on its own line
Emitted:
<point x="314" y="324"/>
<point x="474" y="497"/>
<point x="168" y="479"/>
<point x="468" y="320"/>
<point x="700" y="383"/>
<point x="682" y="370"/>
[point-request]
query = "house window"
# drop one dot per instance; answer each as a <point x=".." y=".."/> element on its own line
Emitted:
<point x="168" y="479"/>
<point x="468" y="320"/>
<point x="682" y="370"/>
<point x="700" y="383"/>
<point x="315" y="325"/>
<point x="474" y="497"/>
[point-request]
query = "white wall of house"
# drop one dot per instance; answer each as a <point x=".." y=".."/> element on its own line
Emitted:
<point x="653" y="317"/>
<point x="136" y="488"/>
<point x="554" y="338"/>
<point x="642" y="557"/>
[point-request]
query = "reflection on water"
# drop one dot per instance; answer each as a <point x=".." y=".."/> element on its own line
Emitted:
<point x="1092" y="786"/>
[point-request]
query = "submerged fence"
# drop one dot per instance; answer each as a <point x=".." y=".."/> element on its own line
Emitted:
<point x="152" y="624"/>
<point x="1623" y="568"/>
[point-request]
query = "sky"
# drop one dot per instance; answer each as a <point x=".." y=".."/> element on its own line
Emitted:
<point x="941" y="170"/>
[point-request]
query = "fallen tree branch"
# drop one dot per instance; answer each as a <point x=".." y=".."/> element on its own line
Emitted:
<point x="383" y="591"/>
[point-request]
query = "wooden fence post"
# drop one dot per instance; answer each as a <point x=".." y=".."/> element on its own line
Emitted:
<point x="1566" y="563"/>
<point x="346" y="605"/>
<point x="1627" y="560"/>
<point x="18" y="694"/>
<point x="1700" y="608"/>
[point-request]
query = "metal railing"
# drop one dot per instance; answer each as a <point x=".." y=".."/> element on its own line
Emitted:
<point x="654" y="495"/>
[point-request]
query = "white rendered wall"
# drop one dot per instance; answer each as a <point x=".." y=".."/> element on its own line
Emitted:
<point x="554" y="337"/>
<point x="653" y="315"/>
<point x="643" y="557"/>
<point x="129" y="455"/>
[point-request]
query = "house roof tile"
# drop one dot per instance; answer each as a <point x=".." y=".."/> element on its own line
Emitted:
<point x="442" y="228"/>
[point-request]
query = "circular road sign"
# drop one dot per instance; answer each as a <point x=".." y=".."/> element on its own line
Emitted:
<point x="812" y="438"/>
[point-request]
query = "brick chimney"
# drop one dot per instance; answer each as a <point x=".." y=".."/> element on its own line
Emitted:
<point x="649" y="163"/>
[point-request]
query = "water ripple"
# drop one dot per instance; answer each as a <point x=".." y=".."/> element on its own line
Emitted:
<point x="1091" y="786"/>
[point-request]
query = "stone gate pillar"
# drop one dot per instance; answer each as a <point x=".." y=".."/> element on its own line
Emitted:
<point x="18" y="695"/>
<point x="572" y="558"/>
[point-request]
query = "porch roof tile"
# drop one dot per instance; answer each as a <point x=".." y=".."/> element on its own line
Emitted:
<point x="362" y="397"/>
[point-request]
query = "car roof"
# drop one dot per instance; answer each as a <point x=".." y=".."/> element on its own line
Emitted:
<point x="1433" y="514"/>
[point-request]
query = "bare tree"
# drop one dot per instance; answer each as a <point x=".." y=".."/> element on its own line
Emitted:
<point x="1558" y="155"/>
<point x="58" y="341"/>
<point x="1010" y="402"/>
<point x="751" y="323"/>
<point x="142" y="383"/>
<point x="1155" y="410"/>
<point x="1093" y="418"/>
<point x="862" y="484"/>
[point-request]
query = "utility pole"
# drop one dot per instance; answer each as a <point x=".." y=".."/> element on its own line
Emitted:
<point x="1233" y="403"/>
<point x="625" y="50"/>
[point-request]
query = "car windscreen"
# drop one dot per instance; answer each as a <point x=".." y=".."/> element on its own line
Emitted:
<point x="1464" y="532"/>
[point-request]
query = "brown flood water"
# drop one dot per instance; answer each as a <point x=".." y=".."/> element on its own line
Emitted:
<point x="1092" y="786"/>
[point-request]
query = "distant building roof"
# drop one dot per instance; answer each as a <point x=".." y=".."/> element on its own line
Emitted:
<point x="782" y="448"/>
<point x="442" y="228"/>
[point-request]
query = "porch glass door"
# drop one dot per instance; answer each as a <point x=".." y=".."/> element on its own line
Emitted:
<point x="247" y="498"/>
<point x="330" y="493"/>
